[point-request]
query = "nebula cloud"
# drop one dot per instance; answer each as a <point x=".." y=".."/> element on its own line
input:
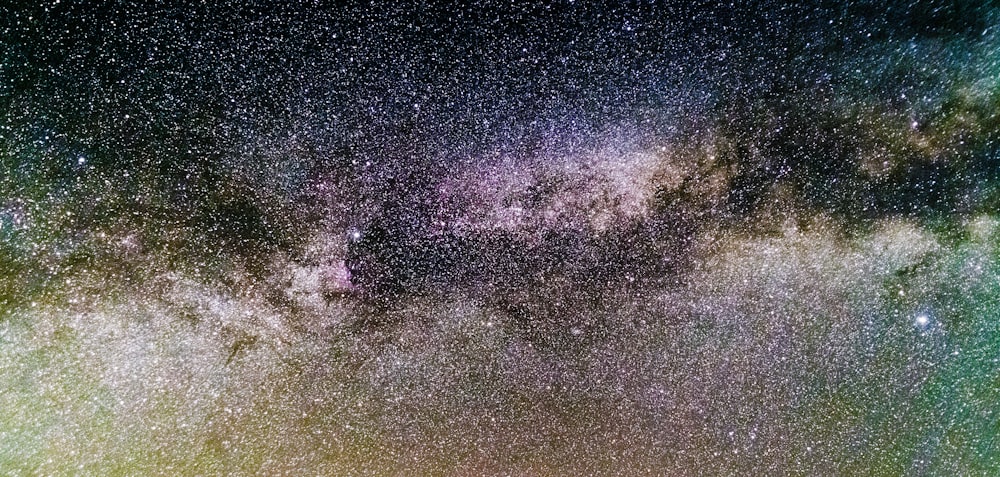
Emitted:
<point x="552" y="239"/>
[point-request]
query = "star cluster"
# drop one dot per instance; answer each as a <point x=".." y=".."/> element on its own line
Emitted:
<point x="558" y="238"/>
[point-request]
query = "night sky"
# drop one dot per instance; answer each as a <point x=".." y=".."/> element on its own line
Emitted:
<point x="561" y="238"/>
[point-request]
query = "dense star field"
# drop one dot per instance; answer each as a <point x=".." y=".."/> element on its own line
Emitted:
<point x="677" y="238"/>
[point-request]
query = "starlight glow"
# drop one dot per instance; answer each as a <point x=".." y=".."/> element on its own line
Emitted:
<point x="560" y="238"/>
